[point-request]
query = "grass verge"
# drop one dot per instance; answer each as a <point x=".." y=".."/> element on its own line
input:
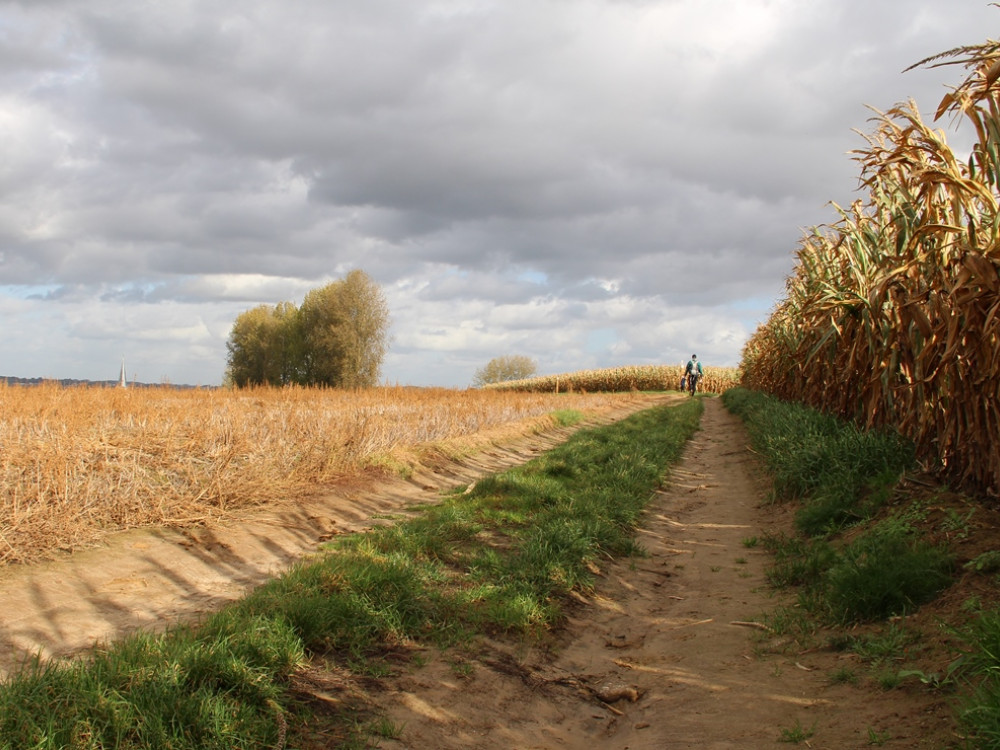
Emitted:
<point x="882" y="566"/>
<point x="840" y="473"/>
<point x="497" y="558"/>
<point x="869" y="556"/>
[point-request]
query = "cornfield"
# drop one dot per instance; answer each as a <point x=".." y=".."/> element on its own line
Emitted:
<point x="76" y="463"/>
<point x="621" y="379"/>
<point x="890" y="317"/>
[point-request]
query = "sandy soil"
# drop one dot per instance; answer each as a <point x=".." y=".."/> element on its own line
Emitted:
<point x="663" y="655"/>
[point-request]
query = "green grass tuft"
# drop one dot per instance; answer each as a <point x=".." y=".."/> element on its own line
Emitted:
<point x="886" y="571"/>
<point x="841" y="473"/>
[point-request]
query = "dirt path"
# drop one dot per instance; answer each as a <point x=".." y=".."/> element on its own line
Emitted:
<point x="148" y="579"/>
<point x="664" y="630"/>
<point x="661" y="627"/>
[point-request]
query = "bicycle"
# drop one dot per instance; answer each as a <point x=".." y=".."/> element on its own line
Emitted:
<point x="692" y="382"/>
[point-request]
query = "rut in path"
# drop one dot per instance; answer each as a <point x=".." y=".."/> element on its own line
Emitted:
<point x="669" y="630"/>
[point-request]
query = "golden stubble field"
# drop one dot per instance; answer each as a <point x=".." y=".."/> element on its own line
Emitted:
<point x="81" y="462"/>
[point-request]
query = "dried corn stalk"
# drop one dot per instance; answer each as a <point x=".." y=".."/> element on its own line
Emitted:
<point x="891" y="314"/>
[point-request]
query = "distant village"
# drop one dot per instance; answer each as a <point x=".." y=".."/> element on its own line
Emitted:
<point x="121" y="382"/>
<point x="69" y="382"/>
<point x="95" y="383"/>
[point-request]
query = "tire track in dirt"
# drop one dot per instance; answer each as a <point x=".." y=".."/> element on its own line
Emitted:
<point x="667" y="630"/>
<point x="151" y="578"/>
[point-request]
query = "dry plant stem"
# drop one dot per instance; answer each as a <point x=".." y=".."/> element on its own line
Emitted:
<point x="892" y="316"/>
<point x="76" y="463"/>
<point x="751" y="624"/>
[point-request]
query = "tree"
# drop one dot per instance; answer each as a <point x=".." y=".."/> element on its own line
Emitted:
<point x="502" y="369"/>
<point x="338" y="337"/>
<point x="287" y="344"/>
<point x="345" y="326"/>
<point x="261" y="346"/>
<point x="364" y="330"/>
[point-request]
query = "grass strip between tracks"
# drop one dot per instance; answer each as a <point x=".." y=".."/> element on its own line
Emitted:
<point x="497" y="558"/>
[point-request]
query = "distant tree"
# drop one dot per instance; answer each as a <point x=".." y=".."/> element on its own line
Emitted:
<point x="287" y="344"/>
<point x="502" y="369"/>
<point x="262" y="348"/>
<point x="338" y="337"/>
<point x="366" y="314"/>
<point x="345" y="328"/>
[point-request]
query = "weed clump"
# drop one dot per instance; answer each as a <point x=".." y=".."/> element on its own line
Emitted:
<point x="980" y="667"/>
<point x="840" y="473"/>
<point x="886" y="571"/>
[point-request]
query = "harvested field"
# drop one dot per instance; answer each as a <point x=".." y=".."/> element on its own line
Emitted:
<point x="79" y="463"/>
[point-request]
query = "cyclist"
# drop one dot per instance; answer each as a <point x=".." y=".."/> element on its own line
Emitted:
<point x="693" y="372"/>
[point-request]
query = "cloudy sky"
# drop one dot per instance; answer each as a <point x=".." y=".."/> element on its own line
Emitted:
<point x="586" y="182"/>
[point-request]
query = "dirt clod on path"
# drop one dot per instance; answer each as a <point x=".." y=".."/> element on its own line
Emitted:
<point x="670" y="651"/>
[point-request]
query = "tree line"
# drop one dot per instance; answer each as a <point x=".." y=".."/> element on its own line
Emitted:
<point x="336" y="338"/>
